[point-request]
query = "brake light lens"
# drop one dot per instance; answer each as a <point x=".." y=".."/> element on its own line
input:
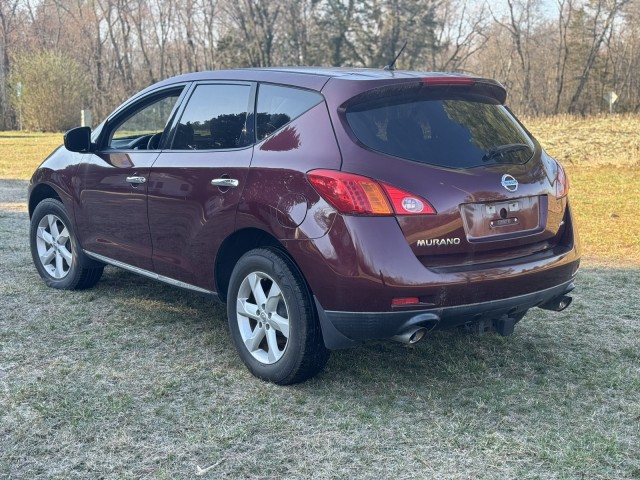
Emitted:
<point x="458" y="81"/>
<point x="357" y="195"/>
<point x="562" y="182"/>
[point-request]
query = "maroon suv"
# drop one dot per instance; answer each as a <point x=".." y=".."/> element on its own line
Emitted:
<point x="325" y="206"/>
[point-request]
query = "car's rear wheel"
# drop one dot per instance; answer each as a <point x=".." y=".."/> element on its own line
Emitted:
<point x="55" y="250"/>
<point x="272" y="319"/>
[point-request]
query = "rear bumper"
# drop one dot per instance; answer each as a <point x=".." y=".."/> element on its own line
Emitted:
<point x="345" y="329"/>
<point x="363" y="263"/>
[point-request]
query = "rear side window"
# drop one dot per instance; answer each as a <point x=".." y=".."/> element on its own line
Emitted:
<point x="454" y="132"/>
<point x="278" y="105"/>
<point x="215" y="118"/>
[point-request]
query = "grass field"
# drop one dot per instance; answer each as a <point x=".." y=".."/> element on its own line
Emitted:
<point x="134" y="379"/>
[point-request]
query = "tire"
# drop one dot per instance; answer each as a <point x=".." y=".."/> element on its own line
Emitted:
<point x="55" y="250"/>
<point x="272" y="319"/>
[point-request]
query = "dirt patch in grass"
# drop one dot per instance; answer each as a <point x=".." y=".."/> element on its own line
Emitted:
<point x="134" y="379"/>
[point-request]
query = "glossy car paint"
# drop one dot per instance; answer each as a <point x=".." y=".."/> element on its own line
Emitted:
<point x="111" y="213"/>
<point x="181" y="227"/>
<point x="188" y="216"/>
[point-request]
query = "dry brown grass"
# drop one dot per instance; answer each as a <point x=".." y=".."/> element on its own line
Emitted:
<point x="22" y="152"/>
<point x="605" y="202"/>
<point x="590" y="142"/>
<point x="602" y="157"/>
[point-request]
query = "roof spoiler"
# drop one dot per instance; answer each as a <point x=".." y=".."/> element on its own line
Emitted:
<point x="484" y="86"/>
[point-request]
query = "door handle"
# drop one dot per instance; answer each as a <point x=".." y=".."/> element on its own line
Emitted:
<point x="225" y="182"/>
<point x="136" y="179"/>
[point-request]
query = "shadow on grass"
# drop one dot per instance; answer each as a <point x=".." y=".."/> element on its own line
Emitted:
<point x="545" y="344"/>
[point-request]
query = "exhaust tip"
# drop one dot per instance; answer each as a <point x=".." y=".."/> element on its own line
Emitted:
<point x="558" y="304"/>
<point x="417" y="335"/>
<point x="564" y="303"/>
<point x="411" y="336"/>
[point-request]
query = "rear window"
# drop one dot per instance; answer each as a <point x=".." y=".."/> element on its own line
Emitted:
<point x="454" y="131"/>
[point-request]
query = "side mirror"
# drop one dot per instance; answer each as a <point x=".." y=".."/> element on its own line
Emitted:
<point x="78" y="140"/>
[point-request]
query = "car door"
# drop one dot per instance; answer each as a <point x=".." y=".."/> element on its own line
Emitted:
<point x="196" y="183"/>
<point x="111" y="214"/>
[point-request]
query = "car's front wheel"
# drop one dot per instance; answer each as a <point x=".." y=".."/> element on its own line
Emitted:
<point x="55" y="250"/>
<point x="272" y="319"/>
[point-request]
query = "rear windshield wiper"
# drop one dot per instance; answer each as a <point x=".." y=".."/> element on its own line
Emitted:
<point x="500" y="150"/>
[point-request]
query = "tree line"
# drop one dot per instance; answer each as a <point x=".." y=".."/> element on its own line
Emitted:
<point x="554" y="56"/>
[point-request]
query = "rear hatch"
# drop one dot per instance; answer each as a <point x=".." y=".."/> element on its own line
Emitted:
<point x="449" y="142"/>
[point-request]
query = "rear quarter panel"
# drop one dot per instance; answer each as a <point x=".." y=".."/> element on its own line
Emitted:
<point x="278" y="198"/>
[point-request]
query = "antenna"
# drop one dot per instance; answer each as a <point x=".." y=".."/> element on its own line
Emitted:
<point x="391" y="65"/>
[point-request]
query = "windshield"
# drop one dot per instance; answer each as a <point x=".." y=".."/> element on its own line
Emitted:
<point x="452" y="132"/>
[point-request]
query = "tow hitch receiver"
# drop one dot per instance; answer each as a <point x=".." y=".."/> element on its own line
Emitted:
<point x="505" y="326"/>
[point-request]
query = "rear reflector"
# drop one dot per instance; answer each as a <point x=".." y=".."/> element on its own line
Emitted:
<point x="405" y="301"/>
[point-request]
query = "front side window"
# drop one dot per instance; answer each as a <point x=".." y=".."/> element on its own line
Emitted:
<point x="148" y="121"/>
<point x="456" y="130"/>
<point x="215" y="118"/>
<point x="278" y="105"/>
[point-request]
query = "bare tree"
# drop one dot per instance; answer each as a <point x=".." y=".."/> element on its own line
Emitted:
<point x="256" y="23"/>
<point x="565" y="14"/>
<point x="460" y="34"/>
<point x="521" y="21"/>
<point x="8" y="25"/>
<point x="549" y="63"/>
<point x="600" y="22"/>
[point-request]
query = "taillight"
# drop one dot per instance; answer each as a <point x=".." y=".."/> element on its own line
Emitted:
<point x="405" y="203"/>
<point x="562" y="182"/>
<point x="358" y="195"/>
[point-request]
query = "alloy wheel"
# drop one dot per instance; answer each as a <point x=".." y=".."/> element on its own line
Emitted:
<point x="54" y="246"/>
<point x="263" y="317"/>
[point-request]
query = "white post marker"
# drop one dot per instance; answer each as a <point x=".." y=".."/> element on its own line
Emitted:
<point x="19" y="95"/>
<point x="610" y="98"/>
<point x="85" y="118"/>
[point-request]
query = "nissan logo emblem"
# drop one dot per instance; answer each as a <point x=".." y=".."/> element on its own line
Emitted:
<point x="509" y="182"/>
